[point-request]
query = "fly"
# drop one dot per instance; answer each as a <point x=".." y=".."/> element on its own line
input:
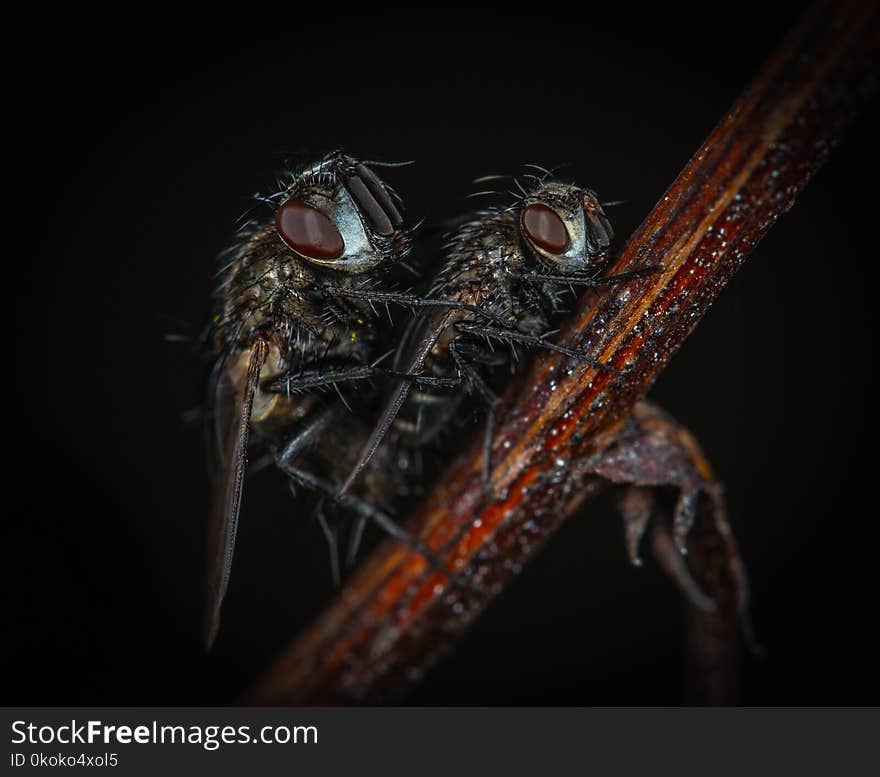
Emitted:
<point x="296" y="317"/>
<point x="515" y="264"/>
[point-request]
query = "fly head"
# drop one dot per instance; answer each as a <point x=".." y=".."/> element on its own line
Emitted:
<point x="564" y="228"/>
<point x="330" y="223"/>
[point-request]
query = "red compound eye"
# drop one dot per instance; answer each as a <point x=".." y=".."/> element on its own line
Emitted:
<point x="545" y="228"/>
<point x="308" y="231"/>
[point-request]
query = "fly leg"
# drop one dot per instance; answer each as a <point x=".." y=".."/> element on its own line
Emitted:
<point x="359" y="507"/>
<point x="516" y="337"/>
<point x="412" y="301"/>
<point x="297" y="444"/>
<point x="286" y="459"/>
<point x="306" y="433"/>
<point x="588" y="280"/>
<point x="467" y="355"/>
<point x="648" y="456"/>
<point x="311" y="379"/>
<point x="306" y="380"/>
<point x="331" y="535"/>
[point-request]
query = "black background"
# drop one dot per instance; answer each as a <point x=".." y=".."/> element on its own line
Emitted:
<point x="139" y="143"/>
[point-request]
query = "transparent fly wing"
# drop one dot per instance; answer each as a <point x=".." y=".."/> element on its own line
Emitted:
<point x="232" y="407"/>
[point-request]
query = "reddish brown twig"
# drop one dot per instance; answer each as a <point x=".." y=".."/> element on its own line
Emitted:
<point x="396" y="614"/>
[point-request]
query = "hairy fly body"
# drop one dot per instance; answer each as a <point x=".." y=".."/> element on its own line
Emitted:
<point x="515" y="264"/>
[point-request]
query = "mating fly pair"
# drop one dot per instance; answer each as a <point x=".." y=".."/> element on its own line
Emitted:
<point x="296" y="319"/>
